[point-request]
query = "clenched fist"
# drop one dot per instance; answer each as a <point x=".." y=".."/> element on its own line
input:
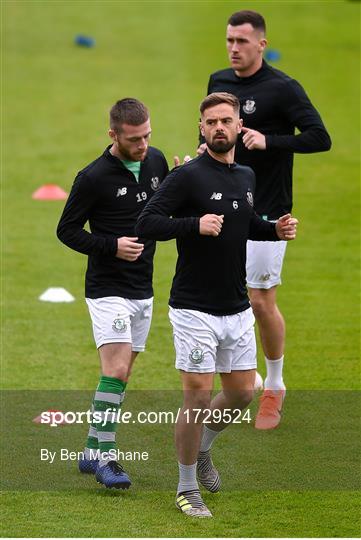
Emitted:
<point x="210" y="225"/>
<point x="286" y="227"/>
<point x="128" y="248"/>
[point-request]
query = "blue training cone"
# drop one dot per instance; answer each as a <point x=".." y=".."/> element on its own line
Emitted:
<point x="272" y="55"/>
<point x="84" y="41"/>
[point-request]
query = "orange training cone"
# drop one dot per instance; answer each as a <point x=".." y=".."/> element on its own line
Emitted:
<point x="50" y="192"/>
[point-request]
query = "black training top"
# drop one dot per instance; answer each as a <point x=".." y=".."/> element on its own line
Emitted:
<point x="107" y="195"/>
<point x="273" y="104"/>
<point x="210" y="274"/>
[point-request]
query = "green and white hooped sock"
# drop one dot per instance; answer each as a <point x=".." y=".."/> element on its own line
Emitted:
<point x="107" y="401"/>
<point x="91" y="451"/>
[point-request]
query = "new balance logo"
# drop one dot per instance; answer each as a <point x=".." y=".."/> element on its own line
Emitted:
<point x="121" y="191"/>
<point x="216" y="196"/>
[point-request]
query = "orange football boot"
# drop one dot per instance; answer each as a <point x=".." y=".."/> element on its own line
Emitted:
<point x="269" y="412"/>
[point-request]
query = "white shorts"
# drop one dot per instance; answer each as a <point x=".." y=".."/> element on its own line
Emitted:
<point x="264" y="263"/>
<point x="213" y="344"/>
<point x="120" y="320"/>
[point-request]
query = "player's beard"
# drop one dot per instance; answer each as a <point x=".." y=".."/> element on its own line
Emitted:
<point x="134" y="156"/>
<point x="221" y="146"/>
<point x="130" y="156"/>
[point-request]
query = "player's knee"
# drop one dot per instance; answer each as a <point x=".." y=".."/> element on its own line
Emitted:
<point x="246" y="396"/>
<point x="197" y="399"/>
<point x="259" y="309"/>
<point x="239" y="398"/>
<point x="262" y="305"/>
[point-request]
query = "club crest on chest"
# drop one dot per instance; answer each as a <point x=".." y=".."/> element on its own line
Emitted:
<point x="154" y="183"/>
<point x="249" y="107"/>
<point x="250" y="198"/>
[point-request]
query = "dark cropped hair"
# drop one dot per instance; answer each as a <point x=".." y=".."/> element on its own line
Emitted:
<point x="128" y="111"/>
<point x="251" y="17"/>
<point x="217" y="98"/>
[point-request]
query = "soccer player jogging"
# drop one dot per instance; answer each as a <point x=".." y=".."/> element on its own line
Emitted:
<point x="210" y="200"/>
<point x="109" y="194"/>
<point x="272" y="106"/>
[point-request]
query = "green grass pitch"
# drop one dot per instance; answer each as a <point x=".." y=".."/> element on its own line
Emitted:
<point x="54" y="110"/>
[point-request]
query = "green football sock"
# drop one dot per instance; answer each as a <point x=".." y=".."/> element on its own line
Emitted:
<point x="91" y="450"/>
<point x="109" y="395"/>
